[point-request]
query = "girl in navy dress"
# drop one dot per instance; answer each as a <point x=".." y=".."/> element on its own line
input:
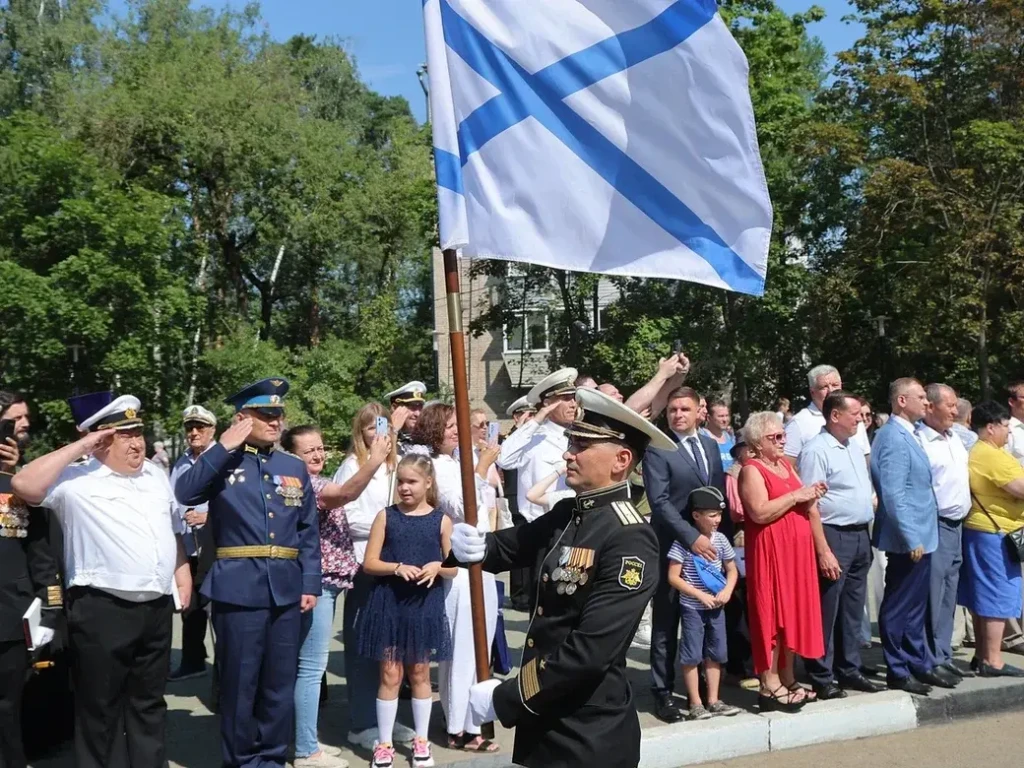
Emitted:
<point x="404" y="625"/>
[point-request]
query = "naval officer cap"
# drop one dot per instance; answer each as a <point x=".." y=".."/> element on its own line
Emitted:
<point x="522" y="404"/>
<point x="407" y="394"/>
<point x="561" y="382"/>
<point x="84" y="406"/>
<point x="263" y="394"/>
<point x="198" y="415"/>
<point x="120" y="414"/>
<point x="601" y="418"/>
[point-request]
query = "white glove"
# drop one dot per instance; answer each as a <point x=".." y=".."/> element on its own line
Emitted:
<point x="468" y="544"/>
<point x="481" y="702"/>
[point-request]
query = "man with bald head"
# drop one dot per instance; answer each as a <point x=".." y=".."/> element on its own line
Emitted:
<point x="906" y="528"/>
<point x="952" y="486"/>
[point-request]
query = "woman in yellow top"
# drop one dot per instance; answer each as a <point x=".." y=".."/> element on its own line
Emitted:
<point x="990" y="578"/>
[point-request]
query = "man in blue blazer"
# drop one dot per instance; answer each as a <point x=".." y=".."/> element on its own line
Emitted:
<point x="906" y="528"/>
<point x="669" y="477"/>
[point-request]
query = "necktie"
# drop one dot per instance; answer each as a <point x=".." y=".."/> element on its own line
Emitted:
<point x="698" y="458"/>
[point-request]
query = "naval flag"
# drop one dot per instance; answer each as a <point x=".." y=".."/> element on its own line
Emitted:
<point x="612" y="136"/>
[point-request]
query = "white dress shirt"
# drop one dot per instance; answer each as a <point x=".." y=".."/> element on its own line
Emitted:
<point x="448" y="472"/>
<point x="181" y="466"/>
<point x="684" y="441"/>
<point x="1015" y="442"/>
<point x="950" y="479"/>
<point x="535" y="450"/>
<point x="808" y="423"/>
<point x="363" y="511"/>
<point x="118" y="529"/>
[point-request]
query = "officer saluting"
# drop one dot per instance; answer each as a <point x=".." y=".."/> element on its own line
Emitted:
<point x="406" y="405"/>
<point x="263" y="518"/>
<point x="571" y="704"/>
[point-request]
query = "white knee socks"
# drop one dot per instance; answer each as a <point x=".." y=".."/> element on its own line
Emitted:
<point x="421" y="716"/>
<point x="387" y="712"/>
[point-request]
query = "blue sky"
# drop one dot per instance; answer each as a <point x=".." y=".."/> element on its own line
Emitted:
<point x="386" y="36"/>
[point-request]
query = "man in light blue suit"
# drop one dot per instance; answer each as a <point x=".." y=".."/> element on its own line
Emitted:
<point x="906" y="528"/>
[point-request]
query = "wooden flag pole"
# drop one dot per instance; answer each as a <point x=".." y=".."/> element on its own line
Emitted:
<point x="457" y="339"/>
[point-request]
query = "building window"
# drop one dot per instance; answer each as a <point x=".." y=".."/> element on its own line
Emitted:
<point x="527" y="333"/>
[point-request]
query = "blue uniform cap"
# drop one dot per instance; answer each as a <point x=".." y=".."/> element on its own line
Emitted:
<point x="267" y="393"/>
<point x="84" y="406"/>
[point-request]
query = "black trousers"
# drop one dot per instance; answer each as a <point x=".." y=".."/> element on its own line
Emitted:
<point x="842" y="604"/>
<point x="664" y="633"/>
<point x="522" y="582"/>
<point x="13" y="668"/>
<point x="120" y="657"/>
<point x="193" y="625"/>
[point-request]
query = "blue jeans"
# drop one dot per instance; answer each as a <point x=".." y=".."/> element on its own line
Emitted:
<point x="314" y="648"/>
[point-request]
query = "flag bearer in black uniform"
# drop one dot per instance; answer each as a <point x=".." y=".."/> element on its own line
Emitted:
<point x="571" y="704"/>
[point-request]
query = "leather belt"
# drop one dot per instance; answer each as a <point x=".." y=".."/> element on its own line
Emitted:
<point x="271" y="551"/>
<point x="856" y="527"/>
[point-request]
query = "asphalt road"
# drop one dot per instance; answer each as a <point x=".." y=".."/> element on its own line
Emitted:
<point x="990" y="742"/>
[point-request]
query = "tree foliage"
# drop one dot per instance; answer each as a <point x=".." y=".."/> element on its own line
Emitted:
<point x="189" y="205"/>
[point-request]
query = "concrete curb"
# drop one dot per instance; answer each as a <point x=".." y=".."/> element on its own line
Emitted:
<point x="856" y="717"/>
<point x="975" y="697"/>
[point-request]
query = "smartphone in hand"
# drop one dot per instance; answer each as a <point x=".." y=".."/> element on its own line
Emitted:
<point x="7" y="428"/>
<point x="382" y="426"/>
<point x="493" y="430"/>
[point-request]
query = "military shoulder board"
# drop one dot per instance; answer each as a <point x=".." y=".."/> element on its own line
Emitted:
<point x="627" y="513"/>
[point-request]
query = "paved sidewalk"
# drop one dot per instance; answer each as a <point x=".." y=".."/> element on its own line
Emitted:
<point x="193" y="738"/>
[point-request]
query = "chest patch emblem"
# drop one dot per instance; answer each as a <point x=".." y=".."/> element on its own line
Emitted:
<point x="631" y="574"/>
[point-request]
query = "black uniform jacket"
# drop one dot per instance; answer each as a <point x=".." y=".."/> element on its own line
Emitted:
<point x="571" y="704"/>
<point x="27" y="567"/>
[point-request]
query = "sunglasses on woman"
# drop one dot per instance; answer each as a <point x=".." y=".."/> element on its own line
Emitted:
<point x="778" y="437"/>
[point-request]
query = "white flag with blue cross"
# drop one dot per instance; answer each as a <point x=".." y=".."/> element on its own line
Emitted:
<point x="611" y="136"/>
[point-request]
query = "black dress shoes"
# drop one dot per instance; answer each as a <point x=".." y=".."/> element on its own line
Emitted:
<point x="987" y="670"/>
<point x="955" y="671"/>
<point x="938" y="678"/>
<point x="666" y="710"/>
<point x="860" y="683"/>
<point x="908" y="684"/>
<point x="830" y="691"/>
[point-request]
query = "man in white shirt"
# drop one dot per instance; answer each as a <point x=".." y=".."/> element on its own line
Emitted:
<point x="951" y="483"/>
<point x="537" y="447"/>
<point x="123" y="561"/>
<point x="200" y="427"/>
<point x="1015" y="400"/>
<point x="808" y="423"/>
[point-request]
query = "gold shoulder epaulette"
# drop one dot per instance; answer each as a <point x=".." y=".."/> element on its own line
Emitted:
<point x="627" y="513"/>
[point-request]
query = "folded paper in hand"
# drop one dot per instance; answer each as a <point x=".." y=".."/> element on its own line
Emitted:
<point x="36" y="635"/>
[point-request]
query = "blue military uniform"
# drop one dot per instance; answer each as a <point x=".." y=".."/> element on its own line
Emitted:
<point x="262" y="514"/>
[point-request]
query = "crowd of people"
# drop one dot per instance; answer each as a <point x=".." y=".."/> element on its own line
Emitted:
<point x="725" y="552"/>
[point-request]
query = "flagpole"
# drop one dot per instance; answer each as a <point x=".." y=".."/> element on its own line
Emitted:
<point x="457" y="340"/>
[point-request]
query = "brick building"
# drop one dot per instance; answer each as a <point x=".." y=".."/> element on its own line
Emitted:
<point x="502" y="366"/>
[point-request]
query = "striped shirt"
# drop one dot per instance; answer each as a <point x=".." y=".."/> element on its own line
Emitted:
<point x="679" y="554"/>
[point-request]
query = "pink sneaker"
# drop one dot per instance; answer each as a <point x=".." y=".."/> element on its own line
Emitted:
<point x="383" y="755"/>
<point x="421" y="757"/>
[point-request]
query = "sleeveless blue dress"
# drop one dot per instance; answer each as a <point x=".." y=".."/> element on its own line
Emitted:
<point x="403" y="621"/>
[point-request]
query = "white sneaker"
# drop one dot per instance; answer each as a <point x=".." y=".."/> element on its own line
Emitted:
<point x="383" y="756"/>
<point x="369" y="736"/>
<point x="421" y="757"/>
<point x="328" y="749"/>
<point x="321" y="760"/>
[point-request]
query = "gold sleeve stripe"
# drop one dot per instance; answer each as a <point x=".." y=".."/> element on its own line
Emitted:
<point x="529" y="684"/>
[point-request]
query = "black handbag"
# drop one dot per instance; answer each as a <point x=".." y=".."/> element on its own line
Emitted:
<point x="1014" y="540"/>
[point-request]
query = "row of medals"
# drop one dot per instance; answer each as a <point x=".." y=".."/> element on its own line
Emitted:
<point x="569" y="579"/>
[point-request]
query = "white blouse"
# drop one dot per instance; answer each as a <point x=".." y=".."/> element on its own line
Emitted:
<point x="449" y="492"/>
<point x="363" y="511"/>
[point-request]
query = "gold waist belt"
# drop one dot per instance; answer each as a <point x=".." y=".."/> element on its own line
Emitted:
<point x="259" y="550"/>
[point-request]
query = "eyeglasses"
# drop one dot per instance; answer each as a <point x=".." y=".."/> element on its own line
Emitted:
<point x="778" y="437"/>
<point x="195" y="425"/>
<point x="580" y="444"/>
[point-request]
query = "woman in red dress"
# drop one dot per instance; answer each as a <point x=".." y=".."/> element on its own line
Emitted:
<point x="784" y="608"/>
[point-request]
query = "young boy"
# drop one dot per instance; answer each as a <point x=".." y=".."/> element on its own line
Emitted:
<point x="701" y="597"/>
